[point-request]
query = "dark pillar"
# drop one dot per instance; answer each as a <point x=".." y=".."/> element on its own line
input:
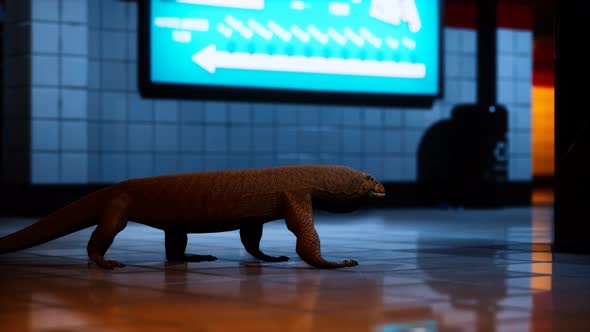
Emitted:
<point x="486" y="52"/>
<point x="572" y="141"/>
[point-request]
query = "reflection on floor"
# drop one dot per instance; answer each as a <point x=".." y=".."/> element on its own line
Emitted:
<point x="420" y="270"/>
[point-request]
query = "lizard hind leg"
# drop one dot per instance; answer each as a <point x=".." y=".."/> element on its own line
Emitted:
<point x="175" y="248"/>
<point x="250" y="236"/>
<point x="114" y="220"/>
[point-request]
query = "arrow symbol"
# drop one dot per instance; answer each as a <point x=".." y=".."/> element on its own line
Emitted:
<point x="209" y="58"/>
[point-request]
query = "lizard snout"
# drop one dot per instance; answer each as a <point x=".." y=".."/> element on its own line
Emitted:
<point x="377" y="191"/>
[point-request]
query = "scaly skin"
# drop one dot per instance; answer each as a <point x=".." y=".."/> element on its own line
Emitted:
<point x="209" y="202"/>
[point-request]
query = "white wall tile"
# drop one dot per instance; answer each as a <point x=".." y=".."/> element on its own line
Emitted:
<point x="240" y="139"/>
<point x="44" y="10"/>
<point x="74" y="71"/>
<point x="74" y="39"/>
<point x="114" y="75"/>
<point x="94" y="75"/>
<point x="519" y="143"/>
<point x="263" y="139"/>
<point x="416" y="118"/>
<point x="519" y="169"/>
<point x="452" y="91"/>
<point x="263" y="113"/>
<point x="140" y="165"/>
<point x="411" y="141"/>
<point x="44" y="135"/>
<point x="74" y="11"/>
<point x="94" y="44"/>
<point x="373" y="117"/>
<point x="166" y="164"/>
<point x="74" y="136"/>
<point x="215" y="138"/>
<point x="505" y="41"/>
<point x="374" y="166"/>
<point x="140" y="137"/>
<point x="309" y="115"/>
<point x="140" y="109"/>
<point x="452" y="39"/>
<point x="165" y="110"/>
<point x="114" y="14"/>
<point x="506" y="93"/>
<point x="468" y="67"/>
<point x="114" y="106"/>
<point x="45" y="102"/>
<point x="215" y="112"/>
<point x="132" y="46"/>
<point x="330" y="141"/>
<point x="373" y="140"/>
<point x="506" y="66"/>
<point x="468" y="91"/>
<point x="286" y="139"/>
<point x="239" y="113"/>
<point x="331" y="115"/>
<point x="523" y="92"/>
<point x="44" y="70"/>
<point x="94" y="13"/>
<point x="44" y="37"/>
<point x="132" y="17"/>
<point x="452" y="65"/>
<point x="351" y="140"/>
<point x="392" y="117"/>
<point x="74" y="168"/>
<point x="113" y="45"/>
<point x="44" y="168"/>
<point x="216" y="163"/>
<point x="191" y="163"/>
<point x="524" y="67"/>
<point x="308" y="140"/>
<point x="113" y="137"/>
<point x="113" y="167"/>
<point x="393" y="169"/>
<point x="468" y="41"/>
<point x="286" y="114"/>
<point x="74" y="104"/>
<point x="523" y="117"/>
<point x="393" y="141"/>
<point x="351" y="116"/>
<point x="166" y="138"/>
<point x="523" y="42"/>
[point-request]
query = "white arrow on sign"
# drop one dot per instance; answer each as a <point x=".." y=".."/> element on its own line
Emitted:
<point x="210" y="59"/>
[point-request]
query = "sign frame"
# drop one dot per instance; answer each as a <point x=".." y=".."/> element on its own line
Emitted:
<point x="150" y="89"/>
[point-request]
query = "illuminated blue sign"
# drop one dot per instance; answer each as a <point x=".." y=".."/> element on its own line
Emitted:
<point x="385" y="47"/>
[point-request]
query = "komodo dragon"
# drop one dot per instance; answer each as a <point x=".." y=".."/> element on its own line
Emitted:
<point x="206" y="202"/>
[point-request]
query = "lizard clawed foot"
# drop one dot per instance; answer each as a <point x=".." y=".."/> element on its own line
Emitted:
<point x="276" y="259"/>
<point x="349" y="263"/>
<point x="198" y="258"/>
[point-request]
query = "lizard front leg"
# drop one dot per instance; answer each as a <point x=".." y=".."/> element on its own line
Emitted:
<point x="113" y="221"/>
<point x="176" y="246"/>
<point x="299" y="219"/>
<point x="250" y="236"/>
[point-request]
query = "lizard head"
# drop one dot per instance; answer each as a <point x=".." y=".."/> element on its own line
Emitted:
<point x="371" y="188"/>
<point x="349" y="190"/>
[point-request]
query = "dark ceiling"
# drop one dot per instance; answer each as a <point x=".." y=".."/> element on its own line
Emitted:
<point x="544" y="17"/>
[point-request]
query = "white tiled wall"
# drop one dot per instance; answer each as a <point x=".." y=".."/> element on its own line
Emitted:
<point x="514" y="72"/>
<point x="89" y="124"/>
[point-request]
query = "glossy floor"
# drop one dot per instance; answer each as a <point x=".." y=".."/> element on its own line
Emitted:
<point x="420" y="270"/>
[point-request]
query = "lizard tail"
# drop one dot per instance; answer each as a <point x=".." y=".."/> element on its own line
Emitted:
<point x="74" y="217"/>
